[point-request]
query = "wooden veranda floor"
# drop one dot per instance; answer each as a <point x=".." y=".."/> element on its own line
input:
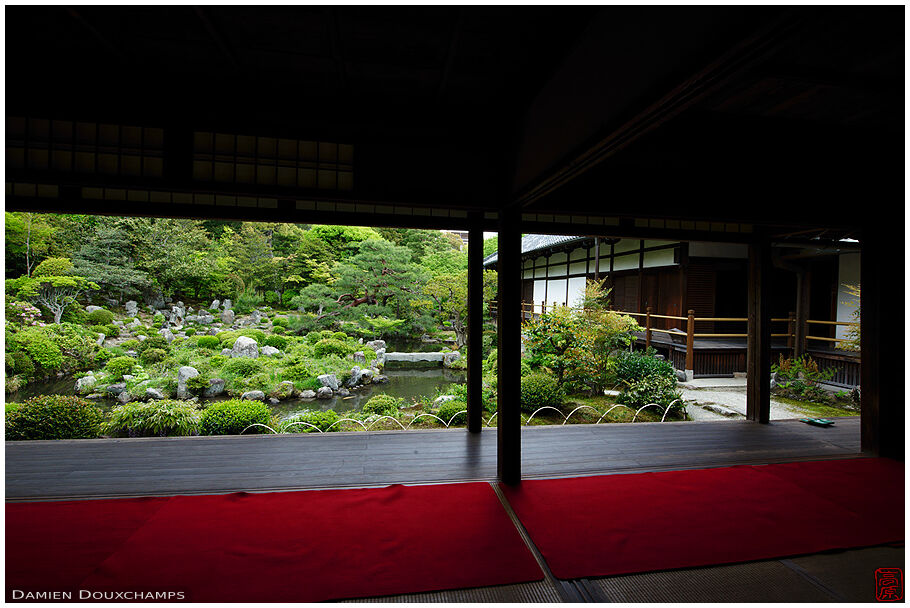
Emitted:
<point x="167" y="466"/>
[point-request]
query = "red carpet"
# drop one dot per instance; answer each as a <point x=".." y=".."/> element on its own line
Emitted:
<point x="284" y="546"/>
<point x="618" y="524"/>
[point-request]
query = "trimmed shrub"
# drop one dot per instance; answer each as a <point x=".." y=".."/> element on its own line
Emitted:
<point x="278" y="329"/>
<point x="539" y="390"/>
<point x="271" y="298"/>
<point x="652" y="389"/>
<point x="154" y="341"/>
<point x="449" y="409"/>
<point x="232" y="417"/>
<point x="321" y="420"/>
<point x="53" y="267"/>
<point x="41" y="349"/>
<point x="109" y="331"/>
<point x="189" y="331"/>
<point x="330" y="346"/>
<point x="313" y="337"/>
<point x="22" y="364"/>
<point x="340" y="335"/>
<point x="278" y="342"/>
<point x="298" y="372"/>
<point x="131" y="345"/>
<point x="99" y="317"/>
<point x="209" y="342"/>
<point x="153" y="355"/>
<point x="280" y="322"/>
<point x="164" y="418"/>
<point x="53" y="417"/>
<point x="632" y="366"/>
<point x="256" y="334"/>
<point x="119" y="366"/>
<point x="382" y="405"/>
<point x="242" y="366"/>
<point x="287" y="296"/>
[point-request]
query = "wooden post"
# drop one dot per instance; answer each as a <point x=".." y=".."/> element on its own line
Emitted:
<point x="596" y="258"/>
<point x="882" y="397"/>
<point x="803" y="281"/>
<point x="690" y="346"/>
<point x="758" y="354"/>
<point x="648" y="328"/>
<point x="543" y="307"/>
<point x="508" y="419"/>
<point x="475" y="324"/>
<point x="791" y="333"/>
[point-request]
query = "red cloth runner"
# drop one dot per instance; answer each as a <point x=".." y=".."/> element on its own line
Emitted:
<point x="282" y="546"/>
<point x="618" y="524"/>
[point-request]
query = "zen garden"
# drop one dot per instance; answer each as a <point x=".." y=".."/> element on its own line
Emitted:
<point x="140" y="327"/>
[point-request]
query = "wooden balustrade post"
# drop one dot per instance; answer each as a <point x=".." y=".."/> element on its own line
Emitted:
<point x="648" y="327"/>
<point x="791" y="333"/>
<point x="543" y="307"/>
<point x="690" y="346"/>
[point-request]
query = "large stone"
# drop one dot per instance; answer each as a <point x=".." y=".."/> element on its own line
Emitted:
<point x="443" y="399"/>
<point x="343" y="392"/>
<point x="155" y="299"/>
<point x="153" y="393"/>
<point x="227" y="317"/>
<point x="415" y="357"/>
<point x="132" y="308"/>
<point x="354" y="378"/>
<point x="215" y="388"/>
<point x="308" y="394"/>
<point x="380" y="379"/>
<point x="125" y="397"/>
<point x="328" y="380"/>
<point x="90" y="309"/>
<point x="183" y="374"/>
<point x="377" y="344"/>
<point x="449" y="358"/>
<point x="215" y="304"/>
<point x="270" y="351"/>
<point x="253" y="396"/>
<point x="227" y="304"/>
<point x="167" y="333"/>
<point x="85" y="383"/>
<point x="324" y="392"/>
<point x="100" y="340"/>
<point x="116" y="389"/>
<point x="255" y="317"/>
<point x="226" y="352"/>
<point x="205" y="319"/>
<point x="284" y="390"/>
<point x="245" y="346"/>
<point x="359" y="357"/>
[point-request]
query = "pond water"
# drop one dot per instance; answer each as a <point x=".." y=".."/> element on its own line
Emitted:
<point x="407" y="384"/>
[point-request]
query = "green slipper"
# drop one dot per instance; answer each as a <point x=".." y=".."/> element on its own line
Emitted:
<point x="817" y="421"/>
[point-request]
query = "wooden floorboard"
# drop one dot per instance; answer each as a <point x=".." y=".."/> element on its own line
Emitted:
<point x="136" y="467"/>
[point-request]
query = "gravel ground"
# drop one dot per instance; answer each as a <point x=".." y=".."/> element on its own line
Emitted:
<point x="733" y="398"/>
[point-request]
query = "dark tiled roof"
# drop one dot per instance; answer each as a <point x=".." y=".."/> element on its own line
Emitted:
<point x="536" y="242"/>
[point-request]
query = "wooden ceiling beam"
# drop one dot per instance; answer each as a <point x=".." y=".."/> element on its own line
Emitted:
<point x="217" y="36"/>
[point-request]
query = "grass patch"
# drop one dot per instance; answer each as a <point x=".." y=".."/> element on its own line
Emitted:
<point x="816" y="410"/>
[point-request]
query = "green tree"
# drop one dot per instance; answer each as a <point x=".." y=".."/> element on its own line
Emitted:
<point x="105" y="259"/>
<point x="55" y="292"/>
<point x="342" y="241"/>
<point x="176" y="252"/>
<point x="490" y="245"/>
<point x="28" y="238"/>
<point x="420" y="242"/>
<point x="447" y="296"/>
<point x="379" y="274"/>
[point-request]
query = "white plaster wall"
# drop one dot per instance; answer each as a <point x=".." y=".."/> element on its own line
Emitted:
<point x="662" y="257"/>
<point x="847" y="274"/>
<point x="556" y="292"/>
<point x="539" y="292"/>
<point x="576" y="291"/>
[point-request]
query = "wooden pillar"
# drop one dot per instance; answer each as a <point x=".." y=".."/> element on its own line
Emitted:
<point x="758" y="356"/>
<point x="803" y="282"/>
<point x="690" y="346"/>
<point x="508" y="419"/>
<point x="648" y="328"/>
<point x="791" y="333"/>
<point x="882" y="364"/>
<point x="596" y="258"/>
<point x="475" y="324"/>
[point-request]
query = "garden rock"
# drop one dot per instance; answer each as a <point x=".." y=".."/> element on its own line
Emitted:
<point x="343" y="392"/>
<point x="377" y="344"/>
<point x="132" y="308"/>
<point x="153" y="393"/>
<point x="90" y="309"/>
<point x="215" y="304"/>
<point x="116" y="389"/>
<point x="380" y="379"/>
<point x="215" y="388"/>
<point x="308" y="394"/>
<point x="253" y="396"/>
<point x="274" y="401"/>
<point x="125" y="397"/>
<point x="132" y="353"/>
<point x="226" y="352"/>
<point x="324" y="392"/>
<point x="354" y="380"/>
<point x="366" y="376"/>
<point x="117" y="323"/>
<point x="359" y="357"/>
<point x="284" y="390"/>
<point x="328" y="380"/>
<point x="128" y="377"/>
<point x="183" y="374"/>
<point x="245" y="346"/>
<point x="270" y="351"/>
<point x="449" y="358"/>
<point x="141" y="338"/>
<point x="205" y="319"/>
<point x="167" y="333"/>
<point x="85" y="383"/>
<point x="227" y="304"/>
<point x="135" y="323"/>
<point x="256" y="317"/>
<point x="443" y="399"/>
<point x="100" y="340"/>
<point x="227" y="317"/>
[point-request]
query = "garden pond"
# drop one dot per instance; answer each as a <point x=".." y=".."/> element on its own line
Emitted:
<point x="407" y="384"/>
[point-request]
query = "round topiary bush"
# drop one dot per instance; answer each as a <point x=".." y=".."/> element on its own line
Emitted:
<point x="278" y="342"/>
<point x="319" y="419"/>
<point x="242" y="366"/>
<point x="234" y="416"/>
<point x="131" y="345"/>
<point x="153" y="355"/>
<point x="189" y="331"/>
<point x="209" y="342"/>
<point x="40" y="348"/>
<point x="119" y="366"/>
<point x="539" y="390"/>
<point x="53" y="417"/>
<point x="109" y="331"/>
<point x="154" y="342"/>
<point x="278" y="329"/>
<point x="313" y="337"/>
<point x="271" y="298"/>
<point x="340" y="335"/>
<point x="454" y="411"/>
<point x="279" y="322"/>
<point x="330" y="346"/>
<point x="382" y="405"/>
<point x="632" y="366"/>
<point x="22" y="364"/>
<point x="99" y="317"/>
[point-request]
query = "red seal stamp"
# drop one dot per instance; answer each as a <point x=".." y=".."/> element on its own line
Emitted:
<point x="889" y="584"/>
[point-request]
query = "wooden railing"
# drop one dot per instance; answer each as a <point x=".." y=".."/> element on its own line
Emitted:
<point x="530" y="309"/>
